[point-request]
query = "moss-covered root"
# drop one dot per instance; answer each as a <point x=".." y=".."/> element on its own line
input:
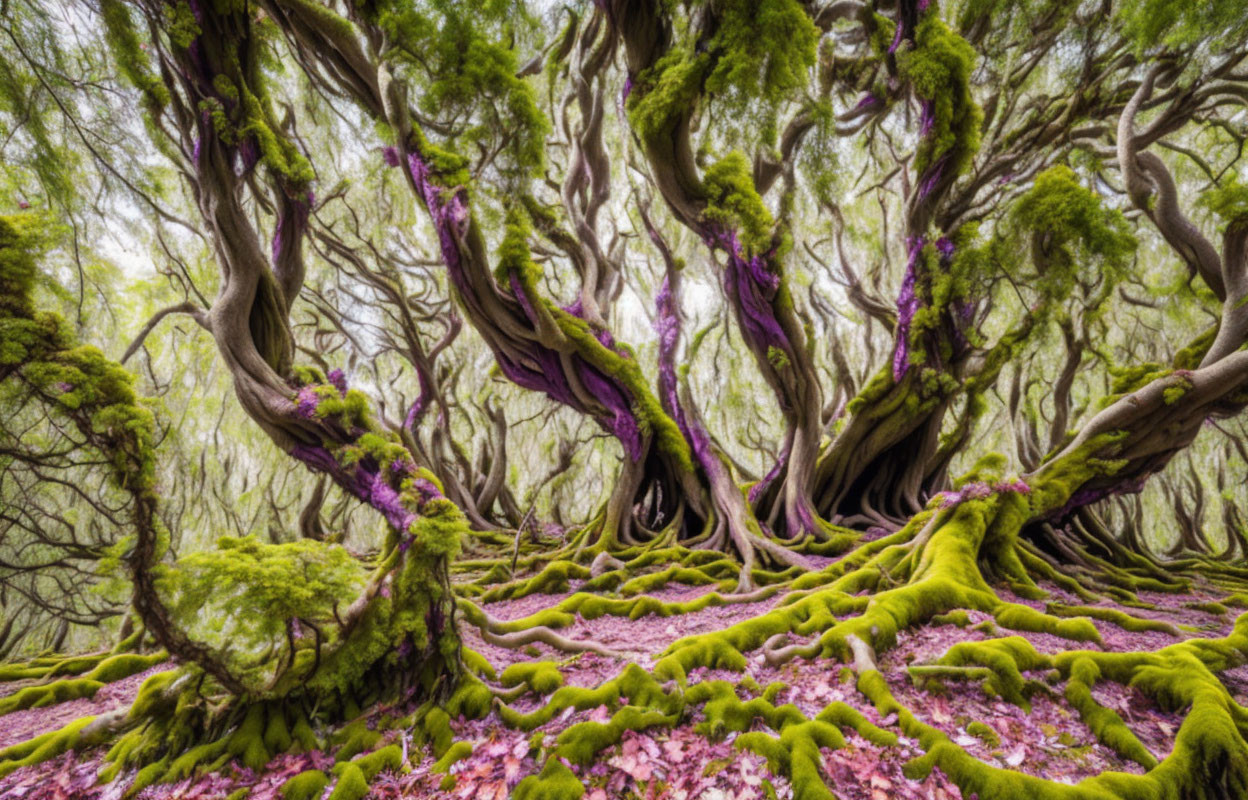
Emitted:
<point x="554" y="782"/>
<point x="500" y="633"/>
<point x="309" y="785"/>
<point x="1210" y="756"/>
<point x="104" y="670"/>
<point x="83" y="732"/>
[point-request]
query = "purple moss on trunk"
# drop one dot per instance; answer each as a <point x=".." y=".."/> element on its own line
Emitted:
<point x="907" y="304"/>
<point x="749" y="280"/>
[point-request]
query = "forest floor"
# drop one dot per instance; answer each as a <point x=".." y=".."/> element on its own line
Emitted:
<point x="680" y="762"/>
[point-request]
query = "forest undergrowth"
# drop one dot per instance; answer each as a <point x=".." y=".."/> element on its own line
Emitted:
<point x="881" y="672"/>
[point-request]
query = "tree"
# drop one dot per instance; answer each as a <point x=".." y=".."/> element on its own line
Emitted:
<point x="333" y="190"/>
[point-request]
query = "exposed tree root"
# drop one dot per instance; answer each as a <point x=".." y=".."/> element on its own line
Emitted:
<point x="930" y="571"/>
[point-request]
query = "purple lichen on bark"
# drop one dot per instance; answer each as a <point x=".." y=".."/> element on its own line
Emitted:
<point x="907" y="305"/>
<point x="338" y="380"/>
<point x="624" y="422"/>
<point x="929" y="179"/>
<point x="249" y="153"/>
<point x="539" y="368"/>
<point x="366" y="481"/>
<point x="927" y="118"/>
<point x="667" y="326"/>
<point x="522" y="297"/>
<point x="757" y="489"/>
<point x="978" y="490"/>
<point x="907" y="19"/>
<point x="449" y="213"/>
<point x="754" y="286"/>
<point x="421" y="404"/>
<point x="306" y="401"/>
<point x="548" y="376"/>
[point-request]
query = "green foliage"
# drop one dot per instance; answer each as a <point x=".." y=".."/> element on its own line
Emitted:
<point x="26" y="123"/>
<point x="78" y="383"/>
<point x="1180" y="23"/>
<point x="1072" y="228"/>
<point x="763" y="49"/>
<point x="460" y="52"/>
<point x="124" y="42"/>
<point x="1228" y="202"/>
<point x="261" y="587"/>
<point x="760" y="53"/>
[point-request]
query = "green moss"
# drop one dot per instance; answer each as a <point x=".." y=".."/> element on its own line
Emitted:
<point x="676" y="574"/>
<point x="939" y="68"/>
<point x="148" y="776"/>
<point x="665" y="92"/>
<point x="984" y="733"/>
<point x="554" y="578"/>
<point x="307" y="785"/>
<point x="50" y="694"/>
<point x="1006" y="659"/>
<point x="732" y="201"/>
<point x="1103" y="722"/>
<point x="796" y="753"/>
<point x="121" y="666"/>
<point x="1119" y="618"/>
<point x="617" y="363"/>
<point x="185" y="765"/>
<point x="354" y="739"/>
<point x="958" y="618"/>
<point x="543" y="677"/>
<point x="387" y="758"/>
<point x="247" y="741"/>
<point x="1025" y="618"/>
<point x="301" y="732"/>
<point x="1077" y="229"/>
<point x="436" y="726"/>
<point x="277" y="737"/>
<point x="471" y="699"/>
<point x="554" y="782"/>
<point x="43" y="747"/>
<point x="351" y="785"/>
<point x="456" y="752"/>
<point x="581" y="743"/>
